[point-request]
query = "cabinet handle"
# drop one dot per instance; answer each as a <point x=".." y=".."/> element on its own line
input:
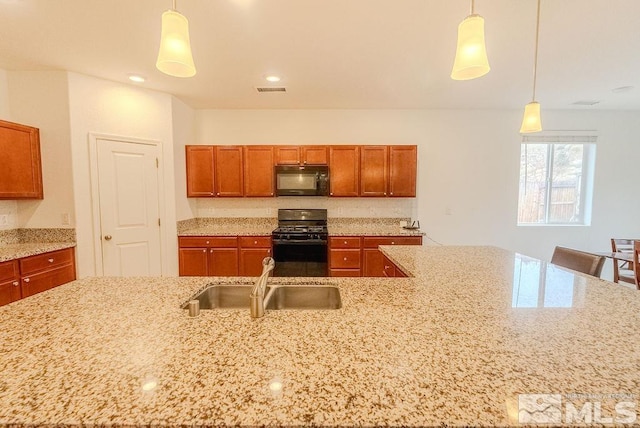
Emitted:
<point x="27" y="280"/>
<point x="16" y="283"/>
<point x="50" y="260"/>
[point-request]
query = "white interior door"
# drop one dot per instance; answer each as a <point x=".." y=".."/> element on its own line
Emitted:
<point x="129" y="209"/>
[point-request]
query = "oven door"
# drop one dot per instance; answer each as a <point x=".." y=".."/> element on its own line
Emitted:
<point x="299" y="258"/>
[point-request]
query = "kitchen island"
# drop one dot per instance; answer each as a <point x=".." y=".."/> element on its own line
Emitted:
<point x="454" y="344"/>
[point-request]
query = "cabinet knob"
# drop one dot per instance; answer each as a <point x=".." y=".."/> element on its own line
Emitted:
<point x="255" y="242"/>
<point x="27" y="280"/>
<point x="207" y="242"/>
<point x="386" y="267"/>
<point x="204" y="251"/>
<point x="385" y="193"/>
<point x="268" y="251"/>
<point x="331" y="193"/>
<point x="393" y="243"/>
<point x="211" y="250"/>
<point x="345" y="242"/>
<point x="16" y="283"/>
<point x="345" y="259"/>
<point x="50" y="260"/>
<point x="107" y="237"/>
<point x="391" y="193"/>
<point x="211" y="193"/>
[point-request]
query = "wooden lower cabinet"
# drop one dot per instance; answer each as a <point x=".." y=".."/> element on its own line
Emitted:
<point x="208" y="256"/>
<point x="373" y="260"/>
<point x="253" y="249"/>
<point x="345" y="256"/>
<point x="31" y="275"/>
<point x="222" y="255"/>
<point x="9" y="282"/>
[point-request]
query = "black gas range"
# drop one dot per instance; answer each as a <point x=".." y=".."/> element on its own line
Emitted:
<point x="300" y="243"/>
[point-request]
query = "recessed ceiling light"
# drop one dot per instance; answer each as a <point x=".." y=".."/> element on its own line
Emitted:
<point x="586" y="103"/>
<point x="272" y="78"/>
<point x="136" y="78"/>
<point x="622" y="89"/>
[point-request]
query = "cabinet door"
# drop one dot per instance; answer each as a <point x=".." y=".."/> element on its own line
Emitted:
<point x="223" y="262"/>
<point x="9" y="282"/>
<point x="228" y="171"/>
<point x="193" y="261"/>
<point x="344" y="164"/>
<point x="21" y="168"/>
<point x="374" y="170"/>
<point x="258" y="171"/>
<point x="251" y="260"/>
<point x="199" y="171"/>
<point x="314" y="155"/>
<point x="287" y="155"/>
<point x="389" y="269"/>
<point x="402" y="171"/>
<point x="373" y="262"/>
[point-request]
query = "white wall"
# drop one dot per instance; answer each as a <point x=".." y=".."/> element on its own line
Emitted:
<point x="8" y="209"/>
<point x="99" y="106"/>
<point x="468" y="165"/>
<point x="39" y="98"/>
<point x="4" y="96"/>
<point x="183" y="135"/>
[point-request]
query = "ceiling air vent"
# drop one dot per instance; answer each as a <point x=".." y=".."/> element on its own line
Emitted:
<point x="272" y="89"/>
<point x="586" y="103"/>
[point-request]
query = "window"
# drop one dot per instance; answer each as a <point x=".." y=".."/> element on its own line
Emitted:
<point x="556" y="181"/>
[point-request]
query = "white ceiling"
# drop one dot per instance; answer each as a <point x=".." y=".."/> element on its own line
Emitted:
<point x="340" y="53"/>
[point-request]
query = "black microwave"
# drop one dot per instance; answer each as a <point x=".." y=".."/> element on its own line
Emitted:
<point x="302" y="180"/>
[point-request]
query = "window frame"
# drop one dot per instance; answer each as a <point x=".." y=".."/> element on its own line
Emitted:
<point x="585" y="179"/>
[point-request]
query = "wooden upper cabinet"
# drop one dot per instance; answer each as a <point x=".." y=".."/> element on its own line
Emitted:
<point x="229" y="171"/>
<point x="199" y="171"/>
<point x="287" y="155"/>
<point x="402" y="171"/>
<point x="344" y="170"/>
<point x="313" y="155"/>
<point x="301" y="155"/>
<point x="20" y="164"/>
<point x="374" y="170"/>
<point x="258" y="171"/>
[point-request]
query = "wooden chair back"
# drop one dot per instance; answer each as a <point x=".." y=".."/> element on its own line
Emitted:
<point x="623" y="271"/>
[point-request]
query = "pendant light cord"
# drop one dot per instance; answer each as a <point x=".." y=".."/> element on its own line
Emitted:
<point x="174" y="5"/>
<point x="535" y="58"/>
<point x="473" y="6"/>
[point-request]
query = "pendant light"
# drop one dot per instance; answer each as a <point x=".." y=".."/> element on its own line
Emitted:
<point x="531" y="121"/>
<point x="174" y="56"/>
<point x="471" y="53"/>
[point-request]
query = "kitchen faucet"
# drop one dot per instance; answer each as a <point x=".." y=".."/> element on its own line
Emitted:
<point x="257" y="292"/>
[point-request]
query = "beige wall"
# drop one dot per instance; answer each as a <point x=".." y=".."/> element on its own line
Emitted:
<point x="99" y="106"/>
<point x="468" y="166"/>
<point x="39" y="98"/>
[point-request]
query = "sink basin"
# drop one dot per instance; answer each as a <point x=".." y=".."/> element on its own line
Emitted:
<point x="305" y="297"/>
<point x="297" y="296"/>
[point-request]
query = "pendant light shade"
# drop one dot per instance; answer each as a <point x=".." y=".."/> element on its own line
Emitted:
<point x="174" y="56"/>
<point x="471" y="53"/>
<point x="531" y="121"/>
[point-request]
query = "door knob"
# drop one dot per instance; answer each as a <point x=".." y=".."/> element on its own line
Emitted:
<point x="107" y="237"/>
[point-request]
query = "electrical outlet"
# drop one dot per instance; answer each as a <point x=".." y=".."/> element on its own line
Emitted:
<point x="66" y="219"/>
<point x="4" y="220"/>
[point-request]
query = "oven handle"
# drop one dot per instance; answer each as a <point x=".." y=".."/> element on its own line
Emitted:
<point x="299" y="241"/>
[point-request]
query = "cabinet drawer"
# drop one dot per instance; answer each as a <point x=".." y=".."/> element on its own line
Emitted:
<point x="255" y="241"/>
<point x="374" y="242"/>
<point x="46" y="280"/>
<point x="344" y="259"/>
<point x="344" y="242"/>
<point x="9" y="270"/>
<point x="9" y="291"/>
<point x="44" y="261"/>
<point x="207" y="241"/>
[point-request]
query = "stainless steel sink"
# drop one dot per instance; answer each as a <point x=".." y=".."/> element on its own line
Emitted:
<point x="298" y="296"/>
<point x="304" y="297"/>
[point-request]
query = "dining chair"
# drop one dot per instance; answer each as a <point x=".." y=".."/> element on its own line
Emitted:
<point x="623" y="270"/>
<point x="636" y="263"/>
<point x="588" y="263"/>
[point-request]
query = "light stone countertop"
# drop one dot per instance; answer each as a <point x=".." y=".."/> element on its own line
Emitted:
<point x="20" y="250"/>
<point x="455" y="344"/>
<point x="265" y="230"/>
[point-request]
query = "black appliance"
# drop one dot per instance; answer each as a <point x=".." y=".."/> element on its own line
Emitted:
<point x="300" y="243"/>
<point x="293" y="180"/>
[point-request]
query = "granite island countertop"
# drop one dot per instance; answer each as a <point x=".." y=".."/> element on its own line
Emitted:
<point x="447" y="346"/>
